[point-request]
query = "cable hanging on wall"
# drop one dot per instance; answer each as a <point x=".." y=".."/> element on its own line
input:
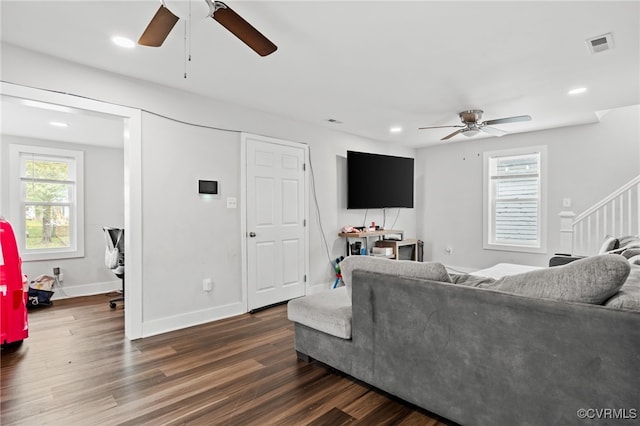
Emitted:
<point x="315" y="200"/>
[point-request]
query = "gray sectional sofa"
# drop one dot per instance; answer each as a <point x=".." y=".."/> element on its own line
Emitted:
<point x="476" y="353"/>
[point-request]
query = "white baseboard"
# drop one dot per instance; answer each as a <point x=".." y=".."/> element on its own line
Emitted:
<point x="62" y="292"/>
<point x="190" y="319"/>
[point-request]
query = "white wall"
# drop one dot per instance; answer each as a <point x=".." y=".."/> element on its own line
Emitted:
<point x="329" y="160"/>
<point x="104" y="206"/>
<point x="173" y="155"/>
<point x="188" y="237"/>
<point x="585" y="163"/>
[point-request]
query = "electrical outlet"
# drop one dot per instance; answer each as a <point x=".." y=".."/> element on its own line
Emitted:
<point x="449" y="250"/>
<point x="207" y="285"/>
<point x="60" y="277"/>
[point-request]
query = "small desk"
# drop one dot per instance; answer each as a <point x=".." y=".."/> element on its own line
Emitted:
<point x="395" y="245"/>
<point x="367" y="234"/>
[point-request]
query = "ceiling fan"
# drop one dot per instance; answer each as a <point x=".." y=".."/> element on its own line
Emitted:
<point x="472" y="124"/>
<point x="172" y="10"/>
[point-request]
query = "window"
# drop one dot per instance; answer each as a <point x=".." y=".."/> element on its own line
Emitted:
<point x="514" y="213"/>
<point x="46" y="202"/>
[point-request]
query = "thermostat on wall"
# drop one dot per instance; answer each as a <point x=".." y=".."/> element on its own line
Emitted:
<point x="207" y="186"/>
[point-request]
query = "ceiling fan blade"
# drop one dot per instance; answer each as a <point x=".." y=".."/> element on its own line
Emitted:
<point x="243" y="30"/>
<point x="436" y="127"/>
<point x="159" y="28"/>
<point x="493" y="131"/>
<point x="508" y="120"/>
<point x="452" y="135"/>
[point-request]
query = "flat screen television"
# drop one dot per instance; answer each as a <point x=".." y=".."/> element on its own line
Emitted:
<point x="378" y="181"/>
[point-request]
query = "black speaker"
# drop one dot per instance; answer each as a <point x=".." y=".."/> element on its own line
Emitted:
<point x="207" y="187"/>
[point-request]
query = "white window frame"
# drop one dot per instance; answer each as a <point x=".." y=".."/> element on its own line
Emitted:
<point x="488" y="219"/>
<point x="76" y="208"/>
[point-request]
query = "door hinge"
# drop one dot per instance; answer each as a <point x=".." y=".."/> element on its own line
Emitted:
<point x="304" y="222"/>
<point x="304" y="166"/>
<point x="305" y="278"/>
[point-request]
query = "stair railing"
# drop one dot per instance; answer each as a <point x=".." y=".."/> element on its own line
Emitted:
<point x="616" y="215"/>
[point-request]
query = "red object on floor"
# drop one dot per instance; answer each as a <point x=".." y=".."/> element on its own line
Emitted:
<point x="14" y="325"/>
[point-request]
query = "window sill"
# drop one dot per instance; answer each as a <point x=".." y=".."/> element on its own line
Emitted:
<point x="516" y="248"/>
<point x="51" y="255"/>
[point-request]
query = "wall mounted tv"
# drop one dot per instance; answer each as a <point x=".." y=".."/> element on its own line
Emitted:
<point x="378" y="181"/>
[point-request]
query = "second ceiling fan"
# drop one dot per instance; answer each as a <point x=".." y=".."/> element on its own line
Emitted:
<point x="472" y="124"/>
<point x="164" y="20"/>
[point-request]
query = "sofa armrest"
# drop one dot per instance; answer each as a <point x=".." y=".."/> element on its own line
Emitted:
<point x="562" y="259"/>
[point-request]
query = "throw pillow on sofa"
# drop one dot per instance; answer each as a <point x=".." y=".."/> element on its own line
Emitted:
<point x="609" y="243"/>
<point x="629" y="295"/>
<point x="407" y="268"/>
<point x="589" y="280"/>
<point x="631" y="252"/>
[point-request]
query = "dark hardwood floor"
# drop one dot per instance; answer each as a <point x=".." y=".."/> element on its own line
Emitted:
<point x="76" y="368"/>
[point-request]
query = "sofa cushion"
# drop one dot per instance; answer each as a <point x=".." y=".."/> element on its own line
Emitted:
<point x="589" y="280"/>
<point x="407" y="268"/>
<point x="631" y="252"/>
<point x="328" y="311"/>
<point x="629" y="241"/>
<point x="629" y="295"/>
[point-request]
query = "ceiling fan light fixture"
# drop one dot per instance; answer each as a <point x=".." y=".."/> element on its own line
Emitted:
<point x="190" y="9"/>
<point x="470" y="132"/>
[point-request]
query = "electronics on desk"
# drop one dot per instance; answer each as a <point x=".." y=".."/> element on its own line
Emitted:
<point x="356" y="247"/>
<point x="382" y="251"/>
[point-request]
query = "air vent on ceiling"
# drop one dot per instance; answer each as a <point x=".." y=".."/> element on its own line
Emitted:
<point x="600" y="43"/>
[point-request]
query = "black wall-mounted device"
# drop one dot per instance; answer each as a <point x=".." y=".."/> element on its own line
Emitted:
<point x="207" y="186"/>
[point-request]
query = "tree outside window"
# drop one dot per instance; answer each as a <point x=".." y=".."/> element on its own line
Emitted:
<point x="48" y="193"/>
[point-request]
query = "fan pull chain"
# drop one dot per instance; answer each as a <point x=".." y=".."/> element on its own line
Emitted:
<point x="185" y="50"/>
<point x="187" y="41"/>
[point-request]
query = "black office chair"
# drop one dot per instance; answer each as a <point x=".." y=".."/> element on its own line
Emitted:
<point x="114" y="239"/>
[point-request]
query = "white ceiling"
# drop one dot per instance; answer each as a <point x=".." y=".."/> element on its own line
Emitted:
<point x="369" y="64"/>
<point x="32" y="119"/>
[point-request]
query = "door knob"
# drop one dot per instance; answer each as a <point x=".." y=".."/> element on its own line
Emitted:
<point x="252" y="234"/>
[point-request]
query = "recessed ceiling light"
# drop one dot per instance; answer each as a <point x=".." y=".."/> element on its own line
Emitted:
<point x="395" y="129"/>
<point x="58" y="124"/>
<point x="123" y="42"/>
<point x="577" y="91"/>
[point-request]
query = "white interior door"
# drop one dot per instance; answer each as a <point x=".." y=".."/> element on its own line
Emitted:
<point x="275" y="220"/>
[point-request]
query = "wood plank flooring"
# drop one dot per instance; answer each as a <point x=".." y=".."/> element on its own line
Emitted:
<point x="76" y="368"/>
